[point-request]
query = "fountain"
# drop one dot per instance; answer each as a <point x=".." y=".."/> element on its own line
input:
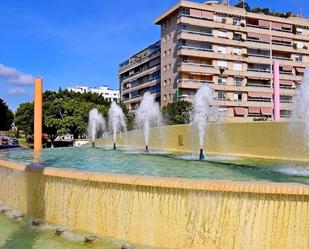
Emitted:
<point x="203" y="110"/>
<point x="148" y="115"/>
<point x="96" y="125"/>
<point x="116" y="121"/>
<point x="301" y="108"/>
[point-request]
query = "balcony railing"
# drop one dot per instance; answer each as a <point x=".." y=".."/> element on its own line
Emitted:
<point x="282" y="58"/>
<point x="281" y="44"/>
<point x="283" y="30"/>
<point x="259" y="55"/>
<point x="259" y="70"/>
<point x="286" y="73"/>
<point x="194" y="81"/>
<point x="258" y="41"/>
<point x="256" y="26"/>
<point x="195" y="48"/>
<point x="195" y="32"/>
<point x="195" y="64"/>
<point x="259" y="100"/>
<point x="258" y="85"/>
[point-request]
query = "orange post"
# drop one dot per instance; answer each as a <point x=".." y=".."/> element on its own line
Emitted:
<point x="38" y="113"/>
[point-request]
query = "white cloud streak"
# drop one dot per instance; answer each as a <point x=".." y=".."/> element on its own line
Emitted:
<point x="17" y="91"/>
<point x="12" y="75"/>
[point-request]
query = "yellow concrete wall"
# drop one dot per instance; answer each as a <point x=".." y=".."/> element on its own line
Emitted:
<point x="277" y="140"/>
<point x="163" y="212"/>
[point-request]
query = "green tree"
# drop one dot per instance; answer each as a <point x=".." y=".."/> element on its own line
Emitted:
<point x="6" y="116"/>
<point x="177" y="112"/>
<point x="24" y="118"/>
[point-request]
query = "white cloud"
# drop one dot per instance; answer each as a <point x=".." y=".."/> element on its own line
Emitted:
<point x="17" y="91"/>
<point x="12" y="75"/>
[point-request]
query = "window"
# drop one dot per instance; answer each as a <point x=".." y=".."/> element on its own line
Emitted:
<point x="164" y="54"/>
<point x="221" y="50"/>
<point x="221" y="18"/>
<point x="221" y="95"/>
<point x="222" y="64"/>
<point x="170" y="96"/>
<point x="222" y="112"/>
<point x="222" y="34"/>
<point x="237" y="96"/>
<point x="222" y="80"/>
<point x="238" y="81"/>
<point x="164" y="83"/>
<point x="237" y="36"/>
<point x="299" y="58"/>
<point x="169" y="67"/>
<point x="169" y="81"/>
<point x="164" y="69"/>
<point x="163" y="26"/>
<point x="169" y="37"/>
<point x="169" y="52"/>
<point x="164" y="98"/>
<point x="237" y="51"/>
<point x="237" y="66"/>
<point x="236" y="21"/>
<point x="164" y="39"/>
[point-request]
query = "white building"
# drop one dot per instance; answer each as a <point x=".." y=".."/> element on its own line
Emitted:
<point x="105" y="91"/>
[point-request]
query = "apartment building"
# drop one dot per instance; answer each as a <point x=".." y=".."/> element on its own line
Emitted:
<point x="139" y="74"/>
<point x="232" y="50"/>
<point x="105" y="91"/>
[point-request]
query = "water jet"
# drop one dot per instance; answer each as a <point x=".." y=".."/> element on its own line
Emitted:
<point x="148" y="115"/>
<point x="91" y="239"/>
<point x="116" y="121"/>
<point x="204" y="108"/>
<point x="96" y="125"/>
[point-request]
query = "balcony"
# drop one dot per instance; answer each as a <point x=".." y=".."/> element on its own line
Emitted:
<point x="281" y="43"/>
<point x="282" y="58"/>
<point x="258" y="85"/>
<point x="259" y="55"/>
<point x="258" y="100"/>
<point x="195" y="32"/>
<point x="261" y="70"/>
<point x="257" y="41"/>
<point x="195" y="48"/>
<point x="256" y="26"/>
<point x="195" y="64"/>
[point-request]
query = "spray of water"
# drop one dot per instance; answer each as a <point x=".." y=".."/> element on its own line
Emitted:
<point x="301" y="107"/>
<point x="148" y="115"/>
<point x="116" y="121"/>
<point x="204" y="108"/>
<point x="96" y="124"/>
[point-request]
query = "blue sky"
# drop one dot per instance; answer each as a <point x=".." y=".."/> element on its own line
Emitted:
<point x="73" y="42"/>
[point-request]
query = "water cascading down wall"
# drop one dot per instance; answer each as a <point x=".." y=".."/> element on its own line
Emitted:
<point x="164" y="212"/>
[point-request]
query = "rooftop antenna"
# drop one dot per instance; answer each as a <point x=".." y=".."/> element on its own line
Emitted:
<point x="300" y="13"/>
<point x="226" y="2"/>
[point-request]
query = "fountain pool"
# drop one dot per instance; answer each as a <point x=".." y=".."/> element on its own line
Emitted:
<point x="134" y="162"/>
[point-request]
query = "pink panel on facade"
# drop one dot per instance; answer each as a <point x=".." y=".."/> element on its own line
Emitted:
<point x="264" y="23"/>
<point x="286" y="40"/>
<point x="266" y="95"/>
<point x="286" y="26"/>
<point x="276" y="91"/>
<point x="255" y="110"/>
<point x="254" y="94"/>
<point x="267" y="111"/>
<point x="208" y="15"/>
<point x="240" y="111"/>
<point x="195" y="12"/>
<point x="286" y="82"/>
<point x="276" y="25"/>
<point x="287" y="68"/>
<point x="265" y="38"/>
<point x="300" y="70"/>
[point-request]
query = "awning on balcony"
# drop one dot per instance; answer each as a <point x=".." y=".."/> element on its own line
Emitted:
<point x="207" y="15"/>
<point x="256" y="35"/>
<point x="266" y="95"/>
<point x="286" y="26"/>
<point x="287" y="68"/>
<point x="264" y="23"/>
<point x="276" y="25"/>
<point x="195" y="12"/>
<point x="265" y="38"/>
<point x="240" y="111"/>
<point x="255" y="110"/>
<point x="286" y="82"/>
<point x="267" y="111"/>
<point x="300" y="69"/>
<point x="254" y="94"/>
<point x="288" y="40"/>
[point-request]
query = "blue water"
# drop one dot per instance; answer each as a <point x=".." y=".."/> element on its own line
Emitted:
<point x="165" y="165"/>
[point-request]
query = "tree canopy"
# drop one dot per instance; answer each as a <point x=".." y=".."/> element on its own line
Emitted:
<point x="63" y="112"/>
<point x="177" y="112"/>
<point x="6" y="116"/>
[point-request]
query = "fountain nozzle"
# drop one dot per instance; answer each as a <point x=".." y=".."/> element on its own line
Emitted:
<point x="93" y="144"/>
<point x="147" y="150"/>
<point x="202" y="156"/>
<point x="115" y="147"/>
